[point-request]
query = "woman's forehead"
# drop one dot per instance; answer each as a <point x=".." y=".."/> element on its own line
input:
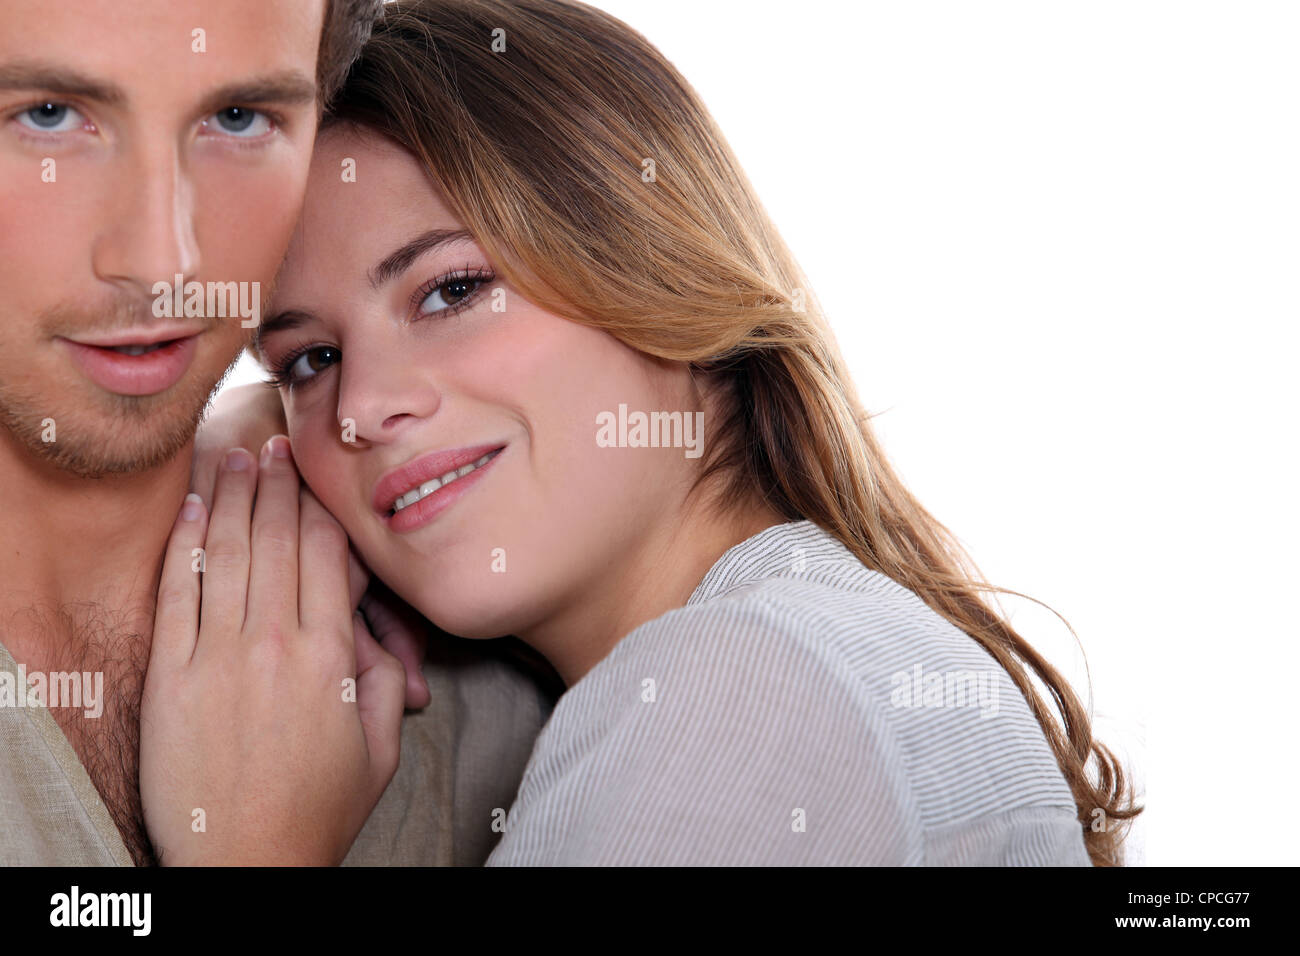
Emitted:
<point x="366" y="189"/>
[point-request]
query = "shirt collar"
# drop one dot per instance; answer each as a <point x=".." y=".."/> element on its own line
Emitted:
<point x="796" y="549"/>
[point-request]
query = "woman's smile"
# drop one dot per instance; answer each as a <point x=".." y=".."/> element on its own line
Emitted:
<point x="413" y="495"/>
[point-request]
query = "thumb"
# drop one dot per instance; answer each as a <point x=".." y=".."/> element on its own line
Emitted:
<point x="381" y="684"/>
<point x="358" y="577"/>
<point x="404" y="633"/>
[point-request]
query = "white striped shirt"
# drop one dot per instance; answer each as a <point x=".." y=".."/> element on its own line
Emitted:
<point x="799" y="709"/>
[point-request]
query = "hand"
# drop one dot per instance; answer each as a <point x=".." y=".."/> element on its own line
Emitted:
<point x="241" y="417"/>
<point x="245" y="417"/>
<point x="246" y="723"/>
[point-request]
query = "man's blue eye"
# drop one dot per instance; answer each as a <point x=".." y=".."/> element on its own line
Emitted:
<point x="242" y="122"/>
<point x="50" y="118"/>
<point x="48" y="115"/>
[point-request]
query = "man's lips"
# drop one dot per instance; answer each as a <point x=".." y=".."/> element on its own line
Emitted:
<point x="419" y="470"/>
<point x="150" y="335"/>
<point x="170" y="352"/>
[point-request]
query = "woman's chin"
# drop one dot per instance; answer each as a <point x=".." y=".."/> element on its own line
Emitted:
<point x="472" y="623"/>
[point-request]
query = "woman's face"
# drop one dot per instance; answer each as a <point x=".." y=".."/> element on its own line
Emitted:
<point x="405" y="357"/>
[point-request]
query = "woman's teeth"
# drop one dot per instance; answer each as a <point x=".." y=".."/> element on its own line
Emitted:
<point x="429" y="487"/>
<point x="138" y="349"/>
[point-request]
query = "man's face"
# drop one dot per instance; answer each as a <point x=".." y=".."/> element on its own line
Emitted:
<point x="140" y="141"/>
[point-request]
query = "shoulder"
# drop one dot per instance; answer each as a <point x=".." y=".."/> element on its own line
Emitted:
<point x="717" y="732"/>
<point x="790" y="630"/>
<point x="750" y="653"/>
<point x="971" y="743"/>
<point x="861" y="664"/>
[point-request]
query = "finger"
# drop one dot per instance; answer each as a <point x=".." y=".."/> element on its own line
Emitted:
<point x="225" y="578"/>
<point x="203" y="473"/>
<point x="324" y="608"/>
<point x="273" y="571"/>
<point x="176" y="615"/>
<point x="358" y="577"/>
<point x="244" y="416"/>
<point x="379" y="702"/>
<point x="404" y="633"/>
<point x="409" y="648"/>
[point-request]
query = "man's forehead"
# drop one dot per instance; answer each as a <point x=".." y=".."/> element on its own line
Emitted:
<point x="157" y="51"/>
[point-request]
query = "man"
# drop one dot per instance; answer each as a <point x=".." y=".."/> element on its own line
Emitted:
<point x="142" y="146"/>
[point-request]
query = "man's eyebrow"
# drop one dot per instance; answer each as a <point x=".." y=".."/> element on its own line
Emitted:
<point x="30" y="75"/>
<point x="286" y="87"/>
<point x="398" y="262"/>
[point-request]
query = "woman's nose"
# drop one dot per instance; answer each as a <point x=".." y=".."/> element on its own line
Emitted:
<point x="381" y="395"/>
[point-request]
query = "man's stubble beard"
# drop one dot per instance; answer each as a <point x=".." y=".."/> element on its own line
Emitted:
<point x="116" y="434"/>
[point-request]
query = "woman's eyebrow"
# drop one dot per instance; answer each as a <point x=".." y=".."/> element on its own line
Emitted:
<point x="388" y="268"/>
<point x="398" y="262"/>
<point x="278" y="322"/>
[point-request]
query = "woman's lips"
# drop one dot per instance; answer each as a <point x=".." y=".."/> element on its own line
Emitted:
<point x="419" y="470"/>
<point x="433" y="504"/>
<point x="148" y="374"/>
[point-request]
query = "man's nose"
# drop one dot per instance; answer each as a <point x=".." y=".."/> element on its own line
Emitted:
<point x="148" y="233"/>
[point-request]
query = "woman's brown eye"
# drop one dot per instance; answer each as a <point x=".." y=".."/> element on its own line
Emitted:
<point x="306" y="366"/>
<point x="449" y="294"/>
<point x="457" y="290"/>
<point x="321" y="358"/>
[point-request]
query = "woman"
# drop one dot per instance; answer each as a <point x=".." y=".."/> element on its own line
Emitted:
<point x="547" y="362"/>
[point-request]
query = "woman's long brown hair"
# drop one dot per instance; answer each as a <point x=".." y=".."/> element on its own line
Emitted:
<point x="601" y="189"/>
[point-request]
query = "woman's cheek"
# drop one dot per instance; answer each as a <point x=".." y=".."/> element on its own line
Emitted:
<point x="313" y="457"/>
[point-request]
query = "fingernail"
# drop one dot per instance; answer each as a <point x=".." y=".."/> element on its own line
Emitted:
<point x="192" y="508"/>
<point x="237" y="460"/>
<point x="277" y="446"/>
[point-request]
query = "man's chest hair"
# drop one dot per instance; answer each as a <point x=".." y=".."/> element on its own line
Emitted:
<point x="84" y="639"/>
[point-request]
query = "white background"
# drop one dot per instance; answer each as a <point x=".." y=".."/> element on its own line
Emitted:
<point x="1058" y="244"/>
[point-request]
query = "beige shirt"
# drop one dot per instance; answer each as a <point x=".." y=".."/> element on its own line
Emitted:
<point x="462" y="758"/>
